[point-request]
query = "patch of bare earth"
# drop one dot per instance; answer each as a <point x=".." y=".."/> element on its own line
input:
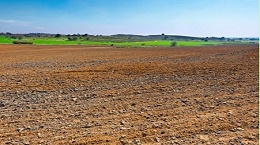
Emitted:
<point x="102" y="95"/>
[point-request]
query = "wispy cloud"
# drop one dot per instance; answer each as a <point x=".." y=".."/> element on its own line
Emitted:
<point x="7" y="21"/>
<point x="14" y="22"/>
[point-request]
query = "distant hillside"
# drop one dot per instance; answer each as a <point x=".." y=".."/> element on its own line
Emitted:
<point x="156" y="37"/>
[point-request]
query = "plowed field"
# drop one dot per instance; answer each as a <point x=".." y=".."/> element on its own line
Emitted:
<point x="103" y="95"/>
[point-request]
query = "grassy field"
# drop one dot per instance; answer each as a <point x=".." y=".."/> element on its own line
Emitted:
<point x="6" y="40"/>
<point x="111" y="42"/>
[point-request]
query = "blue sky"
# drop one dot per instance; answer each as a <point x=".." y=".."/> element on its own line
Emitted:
<point x="229" y="18"/>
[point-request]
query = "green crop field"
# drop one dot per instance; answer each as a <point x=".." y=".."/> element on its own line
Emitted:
<point x="112" y="42"/>
<point x="6" y="40"/>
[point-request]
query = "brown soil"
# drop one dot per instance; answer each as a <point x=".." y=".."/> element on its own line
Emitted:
<point x="102" y="95"/>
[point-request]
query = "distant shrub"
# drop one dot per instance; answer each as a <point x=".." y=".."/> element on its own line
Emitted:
<point x="13" y="37"/>
<point x="20" y="37"/>
<point x="112" y="45"/>
<point x="72" y="38"/>
<point x="57" y="35"/>
<point x="22" y="42"/>
<point x="143" y="44"/>
<point x="173" y="44"/>
<point x="16" y="37"/>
